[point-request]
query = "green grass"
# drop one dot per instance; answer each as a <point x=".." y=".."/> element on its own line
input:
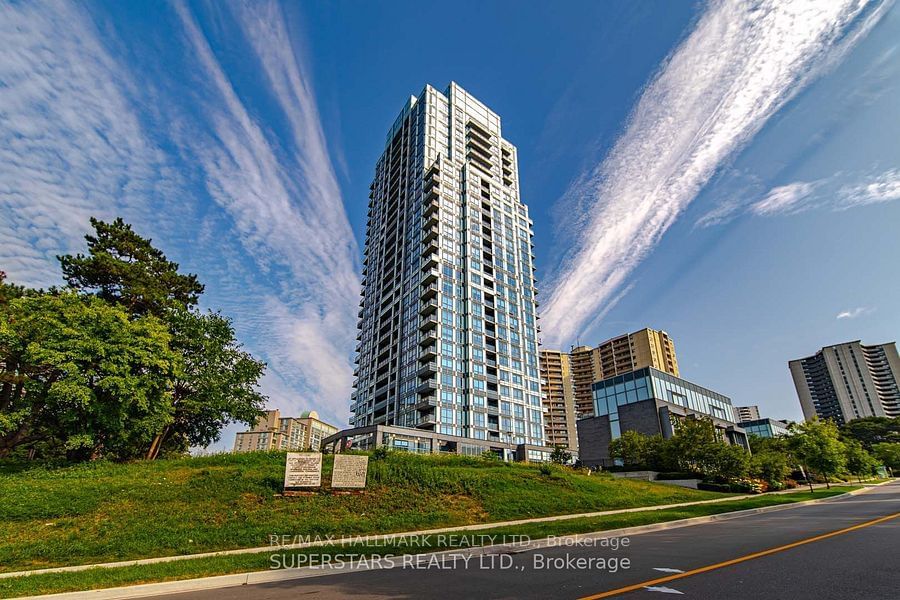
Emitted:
<point x="102" y="512"/>
<point x="192" y="568"/>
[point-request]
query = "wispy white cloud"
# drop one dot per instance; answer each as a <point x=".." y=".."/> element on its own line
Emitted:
<point x="854" y="312"/>
<point x="881" y="188"/>
<point x="85" y="131"/>
<point x="286" y="206"/>
<point x="784" y="198"/>
<point x="829" y="194"/>
<point x="71" y="143"/>
<point x="740" y="64"/>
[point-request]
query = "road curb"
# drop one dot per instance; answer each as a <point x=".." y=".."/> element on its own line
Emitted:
<point x="272" y="576"/>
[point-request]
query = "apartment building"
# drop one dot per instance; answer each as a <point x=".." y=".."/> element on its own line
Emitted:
<point x="849" y="381"/>
<point x="557" y="393"/>
<point x="747" y="413"/>
<point x="447" y="334"/>
<point x="274" y="432"/>
<point x="622" y="354"/>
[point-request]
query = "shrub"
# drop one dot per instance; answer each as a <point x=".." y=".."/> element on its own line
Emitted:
<point x="713" y="487"/>
<point x="380" y="453"/>
<point x="677" y="475"/>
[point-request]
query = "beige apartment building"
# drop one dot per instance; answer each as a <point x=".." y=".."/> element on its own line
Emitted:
<point x="558" y="398"/>
<point x="622" y="354"/>
<point x="633" y="351"/>
<point x="272" y="432"/>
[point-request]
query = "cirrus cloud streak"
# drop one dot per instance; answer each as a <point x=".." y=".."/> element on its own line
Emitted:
<point x="740" y="64"/>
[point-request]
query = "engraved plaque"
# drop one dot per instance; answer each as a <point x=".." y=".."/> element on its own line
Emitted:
<point x="349" y="471"/>
<point x="303" y="469"/>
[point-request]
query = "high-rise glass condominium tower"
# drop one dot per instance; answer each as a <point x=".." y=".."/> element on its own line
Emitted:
<point x="447" y="322"/>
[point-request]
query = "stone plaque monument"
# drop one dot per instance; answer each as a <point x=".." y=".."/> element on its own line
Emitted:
<point x="303" y="469"/>
<point x="349" y="471"/>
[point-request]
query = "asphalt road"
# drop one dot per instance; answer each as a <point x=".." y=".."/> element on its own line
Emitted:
<point x="862" y="563"/>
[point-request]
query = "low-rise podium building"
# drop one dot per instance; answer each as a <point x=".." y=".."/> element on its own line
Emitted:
<point x="765" y="428"/>
<point x="649" y="401"/>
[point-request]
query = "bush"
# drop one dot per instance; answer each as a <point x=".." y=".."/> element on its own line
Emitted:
<point x="380" y="453"/>
<point x="561" y="456"/>
<point x="748" y="486"/>
<point x="713" y="487"/>
<point x="677" y="475"/>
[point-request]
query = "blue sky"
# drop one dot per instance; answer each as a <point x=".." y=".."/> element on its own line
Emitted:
<point x="725" y="171"/>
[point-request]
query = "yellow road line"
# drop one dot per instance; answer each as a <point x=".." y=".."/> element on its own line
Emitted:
<point x="734" y="561"/>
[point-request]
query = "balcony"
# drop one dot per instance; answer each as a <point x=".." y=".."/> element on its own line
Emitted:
<point x="430" y="275"/>
<point x="428" y="291"/>
<point x="428" y="323"/>
<point x="428" y="338"/>
<point x="430" y="233"/>
<point x="427" y="421"/>
<point x="428" y="307"/>
<point x="430" y="207"/>
<point x="430" y="248"/>
<point x="427" y="369"/>
<point x="427" y="403"/>
<point x="428" y="354"/>
<point x="427" y="387"/>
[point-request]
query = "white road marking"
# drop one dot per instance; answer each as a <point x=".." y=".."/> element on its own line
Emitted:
<point x="664" y="590"/>
<point x="667" y="570"/>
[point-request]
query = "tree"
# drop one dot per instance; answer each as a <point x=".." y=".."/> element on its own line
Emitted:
<point x="770" y="465"/>
<point x="560" y="455"/>
<point x="214" y="385"/>
<point x="872" y="430"/>
<point x="216" y="380"/>
<point x="817" y="446"/>
<point x="693" y="444"/>
<point x="82" y="374"/>
<point x="124" y="268"/>
<point x="859" y="462"/>
<point x="9" y="291"/>
<point x="727" y="461"/>
<point x="630" y="448"/>
<point x="889" y="454"/>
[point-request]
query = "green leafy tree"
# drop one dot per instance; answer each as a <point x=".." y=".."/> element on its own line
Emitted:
<point x="214" y="385"/>
<point x="560" y="455"/>
<point x="124" y="268"/>
<point x="631" y="448"/>
<point x="770" y="465"/>
<point x="694" y="444"/>
<point x="768" y="444"/>
<point x="889" y="454"/>
<point x="727" y="462"/>
<point x="659" y="454"/>
<point x="82" y="374"/>
<point x="872" y="430"/>
<point x="216" y="380"/>
<point x="859" y="462"/>
<point x="9" y="291"/>
<point x="817" y="446"/>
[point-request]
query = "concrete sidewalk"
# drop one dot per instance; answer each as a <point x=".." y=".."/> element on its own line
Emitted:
<point x="374" y="539"/>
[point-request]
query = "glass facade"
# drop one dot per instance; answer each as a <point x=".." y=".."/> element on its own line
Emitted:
<point x="766" y="428"/>
<point x="651" y="384"/>
<point x="448" y="319"/>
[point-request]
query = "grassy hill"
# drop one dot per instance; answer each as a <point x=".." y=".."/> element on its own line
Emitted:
<point x="101" y="512"/>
